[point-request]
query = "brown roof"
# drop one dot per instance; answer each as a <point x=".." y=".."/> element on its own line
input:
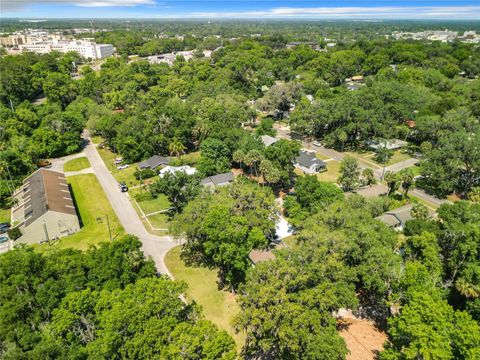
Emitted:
<point x="257" y="256"/>
<point x="46" y="190"/>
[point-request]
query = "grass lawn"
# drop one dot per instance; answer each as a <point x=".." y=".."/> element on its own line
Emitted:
<point x="192" y="157"/>
<point x="332" y="173"/>
<point x="93" y="206"/>
<point x="160" y="203"/>
<point x="159" y="221"/>
<point x="76" y="164"/>
<point x="4" y="215"/>
<point x="96" y="139"/>
<point x="125" y="175"/>
<point x="369" y="157"/>
<point x="321" y="156"/>
<point x="218" y="306"/>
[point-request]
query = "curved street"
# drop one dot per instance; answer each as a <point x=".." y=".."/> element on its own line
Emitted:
<point x="152" y="245"/>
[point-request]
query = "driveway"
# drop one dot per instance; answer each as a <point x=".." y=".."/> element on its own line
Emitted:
<point x="57" y="163"/>
<point x="152" y="245"/>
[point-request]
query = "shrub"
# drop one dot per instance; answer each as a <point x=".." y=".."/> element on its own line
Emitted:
<point x="144" y="174"/>
<point x="14" y="233"/>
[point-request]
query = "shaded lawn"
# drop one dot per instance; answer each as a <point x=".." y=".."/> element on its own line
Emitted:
<point x="93" y="207"/>
<point x="76" y="164"/>
<point x="218" y="306"/>
<point x="149" y="206"/>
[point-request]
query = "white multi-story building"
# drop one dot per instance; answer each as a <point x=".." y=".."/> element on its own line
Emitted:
<point x="88" y="49"/>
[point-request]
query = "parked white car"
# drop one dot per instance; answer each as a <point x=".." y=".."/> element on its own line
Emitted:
<point x="121" y="167"/>
<point x="317" y="143"/>
<point x="118" y="160"/>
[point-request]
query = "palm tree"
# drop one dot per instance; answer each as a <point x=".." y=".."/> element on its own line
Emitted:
<point x="176" y="147"/>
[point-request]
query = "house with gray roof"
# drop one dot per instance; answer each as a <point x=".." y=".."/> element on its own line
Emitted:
<point x="153" y="162"/>
<point x="44" y="208"/>
<point x="309" y="163"/>
<point x="218" y="180"/>
<point x="397" y="218"/>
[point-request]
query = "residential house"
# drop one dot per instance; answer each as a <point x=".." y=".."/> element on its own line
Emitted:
<point x="44" y="208"/>
<point x="397" y="218"/>
<point x="388" y="144"/>
<point x="173" y="169"/>
<point x="268" y="140"/>
<point x="309" y="163"/>
<point x="154" y="162"/>
<point x="218" y="180"/>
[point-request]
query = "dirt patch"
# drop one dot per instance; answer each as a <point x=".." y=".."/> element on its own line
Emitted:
<point x="364" y="341"/>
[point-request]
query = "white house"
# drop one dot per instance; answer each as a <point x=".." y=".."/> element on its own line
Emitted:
<point x="173" y="169"/>
<point x="309" y="163"/>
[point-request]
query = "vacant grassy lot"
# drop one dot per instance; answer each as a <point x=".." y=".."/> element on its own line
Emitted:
<point x="218" y="306"/>
<point x="159" y="221"/>
<point x="369" y="158"/>
<point x="93" y="206"/>
<point x="76" y="164"/>
<point x="4" y="215"/>
<point x="151" y="205"/>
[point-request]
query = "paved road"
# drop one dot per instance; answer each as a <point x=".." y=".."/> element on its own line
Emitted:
<point x="284" y="133"/>
<point x="57" y="163"/>
<point x="152" y="245"/>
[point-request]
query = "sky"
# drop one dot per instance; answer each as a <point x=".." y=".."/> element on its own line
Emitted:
<point x="243" y="9"/>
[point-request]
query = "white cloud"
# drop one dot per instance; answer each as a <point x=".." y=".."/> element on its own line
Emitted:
<point x="385" y="12"/>
<point x="14" y="5"/>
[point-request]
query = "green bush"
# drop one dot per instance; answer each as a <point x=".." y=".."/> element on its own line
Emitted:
<point x="14" y="233"/>
<point x="144" y="174"/>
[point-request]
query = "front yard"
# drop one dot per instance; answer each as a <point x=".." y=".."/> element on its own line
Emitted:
<point x="124" y="175"/>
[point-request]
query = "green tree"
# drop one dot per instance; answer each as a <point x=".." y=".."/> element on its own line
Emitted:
<point x="176" y="147"/>
<point x="393" y="182"/>
<point x="349" y="178"/>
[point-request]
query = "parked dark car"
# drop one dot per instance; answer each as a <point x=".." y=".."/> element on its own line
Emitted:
<point x="4" y="227"/>
<point x="123" y="187"/>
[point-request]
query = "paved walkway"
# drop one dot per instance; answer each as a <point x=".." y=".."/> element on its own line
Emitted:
<point x="152" y="245"/>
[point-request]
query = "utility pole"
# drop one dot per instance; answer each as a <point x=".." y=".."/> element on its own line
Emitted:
<point x="46" y="232"/>
<point x="109" y="230"/>
<point x="11" y="105"/>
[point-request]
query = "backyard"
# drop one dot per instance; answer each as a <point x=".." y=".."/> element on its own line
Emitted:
<point x="218" y="306"/>
<point x="76" y="164"/>
<point x="94" y="208"/>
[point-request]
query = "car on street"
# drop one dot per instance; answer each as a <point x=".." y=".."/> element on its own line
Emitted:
<point x="317" y="143"/>
<point x="123" y="187"/>
<point x="121" y="167"/>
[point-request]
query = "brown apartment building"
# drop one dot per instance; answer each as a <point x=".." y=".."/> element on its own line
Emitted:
<point x="44" y="208"/>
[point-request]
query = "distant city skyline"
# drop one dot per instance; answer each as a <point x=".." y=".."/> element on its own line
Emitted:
<point x="243" y="9"/>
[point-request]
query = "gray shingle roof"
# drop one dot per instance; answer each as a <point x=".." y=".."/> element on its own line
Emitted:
<point x="308" y="159"/>
<point x="218" y="179"/>
<point x="154" y="162"/>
